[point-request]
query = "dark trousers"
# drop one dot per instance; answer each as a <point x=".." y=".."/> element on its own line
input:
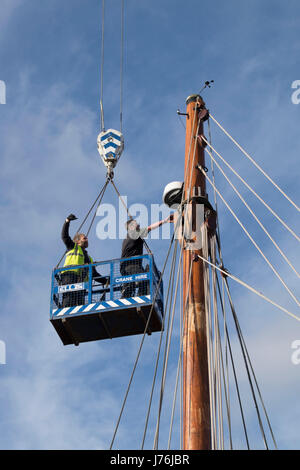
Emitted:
<point x="129" y="288"/>
<point x="72" y="299"/>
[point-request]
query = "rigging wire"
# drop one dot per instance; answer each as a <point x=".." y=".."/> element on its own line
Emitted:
<point x="142" y="342"/>
<point x="235" y="376"/>
<point x="248" y="373"/>
<point x="222" y="300"/>
<point x="251" y="238"/>
<point x="159" y="347"/>
<point x="218" y="351"/>
<point x="222" y="303"/>
<point x="166" y="356"/>
<point x="226" y="273"/>
<point x="209" y="336"/>
<point x="226" y="376"/>
<point x="254" y="162"/>
<point x="251" y="189"/>
<point x="180" y="354"/>
<point x="247" y="358"/>
<point x="179" y="219"/>
<point x="253" y="214"/>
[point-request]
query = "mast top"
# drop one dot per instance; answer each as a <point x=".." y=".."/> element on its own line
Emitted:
<point x="193" y="98"/>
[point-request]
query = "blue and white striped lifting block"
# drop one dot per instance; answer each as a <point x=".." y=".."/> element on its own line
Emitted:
<point x="100" y="306"/>
<point x="110" y="146"/>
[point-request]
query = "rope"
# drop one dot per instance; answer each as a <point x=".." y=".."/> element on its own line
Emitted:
<point x="252" y="240"/>
<point x="254" y="163"/>
<point x="253" y="214"/>
<point x="252" y="190"/>
<point x="121" y="65"/>
<point x="141" y="344"/>
<point x="226" y="273"/>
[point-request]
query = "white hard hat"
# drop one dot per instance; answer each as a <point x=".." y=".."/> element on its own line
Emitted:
<point x="173" y="194"/>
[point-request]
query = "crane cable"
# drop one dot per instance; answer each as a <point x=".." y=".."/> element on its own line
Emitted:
<point x="129" y="215"/>
<point x="102" y="126"/>
<point x="98" y="198"/>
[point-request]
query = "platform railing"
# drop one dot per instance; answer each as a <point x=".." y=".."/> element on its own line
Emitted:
<point x="106" y="281"/>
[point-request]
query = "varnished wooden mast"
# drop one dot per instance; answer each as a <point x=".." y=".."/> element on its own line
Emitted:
<point x="196" y="405"/>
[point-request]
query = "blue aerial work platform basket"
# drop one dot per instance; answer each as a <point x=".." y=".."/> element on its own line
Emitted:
<point x="83" y="310"/>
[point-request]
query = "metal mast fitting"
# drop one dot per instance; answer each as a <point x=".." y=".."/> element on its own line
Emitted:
<point x="110" y="147"/>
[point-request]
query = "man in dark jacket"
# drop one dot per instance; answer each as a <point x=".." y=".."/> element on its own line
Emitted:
<point x="76" y="255"/>
<point x="133" y="246"/>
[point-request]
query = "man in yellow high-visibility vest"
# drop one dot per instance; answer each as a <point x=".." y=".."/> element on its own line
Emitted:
<point x="76" y="255"/>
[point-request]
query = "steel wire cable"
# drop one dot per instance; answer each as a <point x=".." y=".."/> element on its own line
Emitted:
<point x="254" y="162"/>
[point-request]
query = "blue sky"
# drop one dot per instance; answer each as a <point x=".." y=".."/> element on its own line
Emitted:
<point x="55" y="397"/>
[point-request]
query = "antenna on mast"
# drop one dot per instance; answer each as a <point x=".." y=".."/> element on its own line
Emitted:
<point x="207" y="84"/>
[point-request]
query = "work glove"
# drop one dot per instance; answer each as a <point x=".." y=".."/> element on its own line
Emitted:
<point x="71" y="217"/>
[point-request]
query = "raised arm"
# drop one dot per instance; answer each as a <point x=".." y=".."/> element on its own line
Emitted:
<point x="160" y="222"/>
<point x="65" y="233"/>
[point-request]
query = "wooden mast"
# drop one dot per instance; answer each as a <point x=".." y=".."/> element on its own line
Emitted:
<point x="196" y="403"/>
